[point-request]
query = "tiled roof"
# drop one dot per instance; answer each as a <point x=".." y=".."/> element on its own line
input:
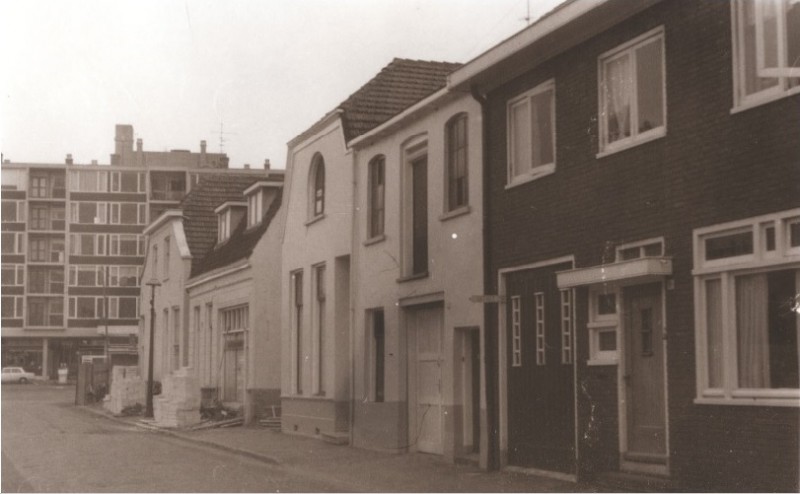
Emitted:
<point x="200" y="225"/>
<point x="240" y="244"/>
<point x="396" y="87"/>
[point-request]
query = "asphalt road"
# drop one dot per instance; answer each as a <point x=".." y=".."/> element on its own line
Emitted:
<point x="50" y="446"/>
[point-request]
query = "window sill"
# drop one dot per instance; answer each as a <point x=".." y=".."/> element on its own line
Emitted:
<point x="598" y="362"/>
<point x="756" y="101"/>
<point x="315" y="219"/>
<point x="535" y="174"/>
<point x="374" y="240"/>
<point x="412" y="277"/>
<point x="455" y="213"/>
<point x="763" y="402"/>
<point x="632" y="142"/>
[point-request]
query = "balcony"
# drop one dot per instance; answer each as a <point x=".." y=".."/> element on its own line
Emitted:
<point x="45" y="312"/>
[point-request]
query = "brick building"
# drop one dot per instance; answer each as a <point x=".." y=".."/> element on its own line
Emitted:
<point x="643" y="230"/>
<point x="73" y="249"/>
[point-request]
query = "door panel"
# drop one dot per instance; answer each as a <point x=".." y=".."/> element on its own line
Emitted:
<point x="426" y="324"/>
<point x="644" y="373"/>
<point x="541" y="413"/>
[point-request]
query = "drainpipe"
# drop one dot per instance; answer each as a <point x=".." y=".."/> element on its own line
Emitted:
<point x="353" y="292"/>
<point x="488" y="428"/>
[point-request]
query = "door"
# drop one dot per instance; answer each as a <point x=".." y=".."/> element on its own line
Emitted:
<point x="644" y="374"/>
<point x="233" y="373"/>
<point x="426" y="376"/>
<point x="541" y="411"/>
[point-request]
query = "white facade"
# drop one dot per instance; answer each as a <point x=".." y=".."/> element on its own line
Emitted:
<point x="431" y="332"/>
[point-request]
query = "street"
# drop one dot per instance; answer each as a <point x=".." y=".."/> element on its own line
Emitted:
<point x="51" y="446"/>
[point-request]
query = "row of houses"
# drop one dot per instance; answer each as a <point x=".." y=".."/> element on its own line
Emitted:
<point x="576" y="255"/>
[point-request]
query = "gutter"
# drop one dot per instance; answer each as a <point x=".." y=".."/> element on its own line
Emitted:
<point x="354" y="271"/>
<point x="215" y="276"/>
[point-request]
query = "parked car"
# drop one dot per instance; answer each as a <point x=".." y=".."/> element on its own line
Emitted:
<point x="16" y="375"/>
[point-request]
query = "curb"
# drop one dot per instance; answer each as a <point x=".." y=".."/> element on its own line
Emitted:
<point x="183" y="437"/>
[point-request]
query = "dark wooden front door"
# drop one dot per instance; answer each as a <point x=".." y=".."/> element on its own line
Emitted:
<point x="541" y="419"/>
<point x="644" y="373"/>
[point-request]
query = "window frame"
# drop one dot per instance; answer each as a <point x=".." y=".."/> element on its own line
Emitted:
<point x="457" y="121"/>
<point x="727" y="270"/>
<point x="741" y="100"/>
<point x="543" y="169"/>
<point x="376" y="211"/>
<point x="636" y="138"/>
<point x="316" y="188"/>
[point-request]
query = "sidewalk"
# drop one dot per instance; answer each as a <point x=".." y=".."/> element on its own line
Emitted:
<point x="353" y="469"/>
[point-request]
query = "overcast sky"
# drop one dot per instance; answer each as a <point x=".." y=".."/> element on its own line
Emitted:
<point x="176" y="70"/>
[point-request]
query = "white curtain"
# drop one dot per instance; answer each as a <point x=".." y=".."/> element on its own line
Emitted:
<point x="618" y="99"/>
<point x="752" y="319"/>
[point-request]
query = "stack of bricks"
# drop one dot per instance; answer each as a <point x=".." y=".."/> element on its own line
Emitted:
<point x="127" y="389"/>
<point x="178" y="405"/>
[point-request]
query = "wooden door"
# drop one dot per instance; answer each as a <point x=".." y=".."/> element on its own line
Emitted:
<point x="426" y="404"/>
<point x="644" y="373"/>
<point x="541" y="403"/>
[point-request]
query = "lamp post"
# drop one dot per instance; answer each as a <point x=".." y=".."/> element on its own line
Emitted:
<point x="153" y="283"/>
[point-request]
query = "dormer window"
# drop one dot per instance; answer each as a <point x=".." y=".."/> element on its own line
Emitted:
<point x="259" y="198"/>
<point x="229" y="214"/>
<point x="255" y="208"/>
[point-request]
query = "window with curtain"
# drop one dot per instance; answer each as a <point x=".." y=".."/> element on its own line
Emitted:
<point x="456" y="158"/>
<point x="632" y="102"/>
<point x="747" y="316"/>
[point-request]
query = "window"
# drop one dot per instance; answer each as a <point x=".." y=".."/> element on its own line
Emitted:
<point x="166" y="257"/>
<point x="123" y="307"/>
<point x="13" y="211"/>
<point x="126" y="245"/>
<point x="255" y="208"/>
<point x="297" y="325"/>
<point x="541" y="344"/>
<point x="131" y="182"/>
<point x="456" y="159"/>
<point x="176" y="338"/>
<point x="45" y="312"/>
<point x="317" y="189"/>
<point x="13" y="274"/>
<point x="377" y="354"/>
<point x="46" y="280"/>
<point x="154" y="267"/>
<point x="319" y="323"/>
<point x="632" y="102"/>
<point x="127" y="213"/>
<point x="419" y="216"/>
<point x="766" y="50"/>
<point x="209" y="340"/>
<point x="636" y="250"/>
<point x="85" y="307"/>
<point x="46" y="249"/>
<point x="47" y="218"/>
<point x="516" y="332"/>
<point x="81" y="275"/>
<point x="187" y="355"/>
<point x="88" y="181"/>
<point x="531" y="134"/>
<point x="13" y="307"/>
<point x="376" y="199"/>
<point x="13" y="243"/>
<point x="87" y="244"/>
<point x="88" y="213"/>
<point x="125" y="276"/>
<point x="603" y="324"/>
<point x="747" y="311"/>
<point x="223" y="226"/>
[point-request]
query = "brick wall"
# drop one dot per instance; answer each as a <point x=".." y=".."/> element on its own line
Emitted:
<point x="711" y="167"/>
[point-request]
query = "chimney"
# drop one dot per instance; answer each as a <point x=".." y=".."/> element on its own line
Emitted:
<point x="266" y="164"/>
<point x="139" y="145"/>
<point x="246" y="166"/>
<point x="202" y="147"/>
<point x="123" y="139"/>
<point x="94" y="162"/>
<point x="69" y="159"/>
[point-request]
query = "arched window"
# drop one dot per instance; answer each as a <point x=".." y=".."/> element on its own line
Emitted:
<point x="456" y="159"/>
<point x="317" y="186"/>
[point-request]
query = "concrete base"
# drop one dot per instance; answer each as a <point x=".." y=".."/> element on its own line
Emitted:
<point x="127" y="389"/>
<point x="178" y="405"/>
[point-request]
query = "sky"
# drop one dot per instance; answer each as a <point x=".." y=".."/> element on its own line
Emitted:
<point x="179" y="71"/>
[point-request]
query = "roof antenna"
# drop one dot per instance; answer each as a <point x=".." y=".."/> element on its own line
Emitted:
<point x="222" y="135"/>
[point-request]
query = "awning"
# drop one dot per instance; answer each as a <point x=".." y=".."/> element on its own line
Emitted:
<point x="117" y="330"/>
<point x="635" y="271"/>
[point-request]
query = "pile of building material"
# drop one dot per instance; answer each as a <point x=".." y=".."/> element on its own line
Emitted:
<point x="127" y="389"/>
<point x="178" y="405"/>
<point x="271" y="418"/>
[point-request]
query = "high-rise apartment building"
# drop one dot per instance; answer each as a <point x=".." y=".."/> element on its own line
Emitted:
<point x="73" y="249"/>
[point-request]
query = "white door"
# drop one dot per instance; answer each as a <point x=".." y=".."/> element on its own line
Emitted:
<point x="426" y="401"/>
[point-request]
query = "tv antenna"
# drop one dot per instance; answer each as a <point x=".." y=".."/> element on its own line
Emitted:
<point x="527" y="17"/>
<point x="222" y="134"/>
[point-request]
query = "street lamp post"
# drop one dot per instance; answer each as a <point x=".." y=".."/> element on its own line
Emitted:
<point x="148" y="412"/>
